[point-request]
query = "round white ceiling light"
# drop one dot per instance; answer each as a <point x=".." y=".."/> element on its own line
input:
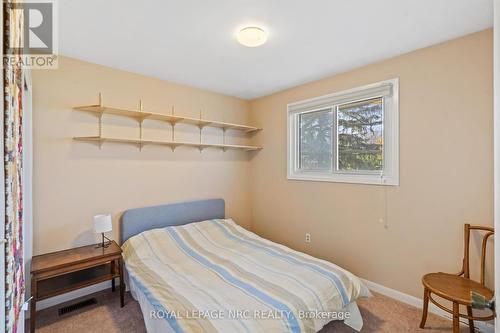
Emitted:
<point x="252" y="36"/>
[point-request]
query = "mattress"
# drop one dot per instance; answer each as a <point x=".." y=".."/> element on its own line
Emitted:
<point x="214" y="276"/>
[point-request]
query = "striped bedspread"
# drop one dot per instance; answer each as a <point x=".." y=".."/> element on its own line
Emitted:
<point x="215" y="276"/>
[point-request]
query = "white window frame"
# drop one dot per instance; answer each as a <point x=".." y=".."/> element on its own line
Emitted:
<point x="389" y="90"/>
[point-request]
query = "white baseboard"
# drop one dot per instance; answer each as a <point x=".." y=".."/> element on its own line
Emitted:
<point x="417" y="302"/>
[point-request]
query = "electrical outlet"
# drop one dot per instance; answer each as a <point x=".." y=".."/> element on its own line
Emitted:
<point x="308" y="238"/>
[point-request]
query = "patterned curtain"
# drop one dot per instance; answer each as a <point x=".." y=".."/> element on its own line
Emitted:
<point x="13" y="77"/>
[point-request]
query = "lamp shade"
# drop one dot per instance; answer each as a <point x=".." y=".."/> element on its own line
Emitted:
<point x="102" y="223"/>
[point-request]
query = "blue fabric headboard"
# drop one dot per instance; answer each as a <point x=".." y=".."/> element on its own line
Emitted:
<point x="137" y="220"/>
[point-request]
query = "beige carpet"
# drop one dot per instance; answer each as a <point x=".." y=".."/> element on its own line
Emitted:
<point x="380" y="314"/>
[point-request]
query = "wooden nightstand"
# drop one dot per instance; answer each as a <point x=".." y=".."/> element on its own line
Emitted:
<point x="63" y="271"/>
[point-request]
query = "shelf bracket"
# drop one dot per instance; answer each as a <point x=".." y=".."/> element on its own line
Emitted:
<point x="100" y="116"/>
<point x="200" y="126"/>
<point x="201" y="129"/>
<point x="140" y="133"/>
<point x="99" y="125"/>
<point x="141" y="110"/>
<point x="172" y="123"/>
<point x="224" y="138"/>
<point x="141" y="120"/>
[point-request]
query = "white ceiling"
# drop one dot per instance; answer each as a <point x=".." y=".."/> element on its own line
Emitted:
<point x="193" y="42"/>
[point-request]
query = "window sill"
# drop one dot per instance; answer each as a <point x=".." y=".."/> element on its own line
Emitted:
<point x="346" y="178"/>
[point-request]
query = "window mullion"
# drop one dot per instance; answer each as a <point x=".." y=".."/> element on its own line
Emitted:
<point x="297" y="139"/>
<point x="335" y="140"/>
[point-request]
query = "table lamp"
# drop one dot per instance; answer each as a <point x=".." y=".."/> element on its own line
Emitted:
<point x="102" y="224"/>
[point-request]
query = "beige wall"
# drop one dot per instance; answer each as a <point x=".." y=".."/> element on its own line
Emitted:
<point x="446" y="170"/>
<point x="74" y="180"/>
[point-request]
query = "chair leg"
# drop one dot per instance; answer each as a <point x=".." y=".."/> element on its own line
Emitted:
<point x="471" y="322"/>
<point x="456" y="322"/>
<point x="425" y="307"/>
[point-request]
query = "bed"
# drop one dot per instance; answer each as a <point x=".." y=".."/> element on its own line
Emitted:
<point x="193" y="270"/>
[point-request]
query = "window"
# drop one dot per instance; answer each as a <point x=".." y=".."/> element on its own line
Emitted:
<point x="351" y="136"/>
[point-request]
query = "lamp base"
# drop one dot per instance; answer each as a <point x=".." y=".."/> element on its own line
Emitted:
<point x="103" y="244"/>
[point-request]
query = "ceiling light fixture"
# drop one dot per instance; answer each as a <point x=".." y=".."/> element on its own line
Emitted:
<point x="252" y="36"/>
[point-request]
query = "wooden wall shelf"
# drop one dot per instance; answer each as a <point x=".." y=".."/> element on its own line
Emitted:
<point x="172" y="119"/>
<point x="172" y="144"/>
<point x="141" y="115"/>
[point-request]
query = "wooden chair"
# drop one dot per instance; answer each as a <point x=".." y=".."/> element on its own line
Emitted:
<point x="457" y="288"/>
